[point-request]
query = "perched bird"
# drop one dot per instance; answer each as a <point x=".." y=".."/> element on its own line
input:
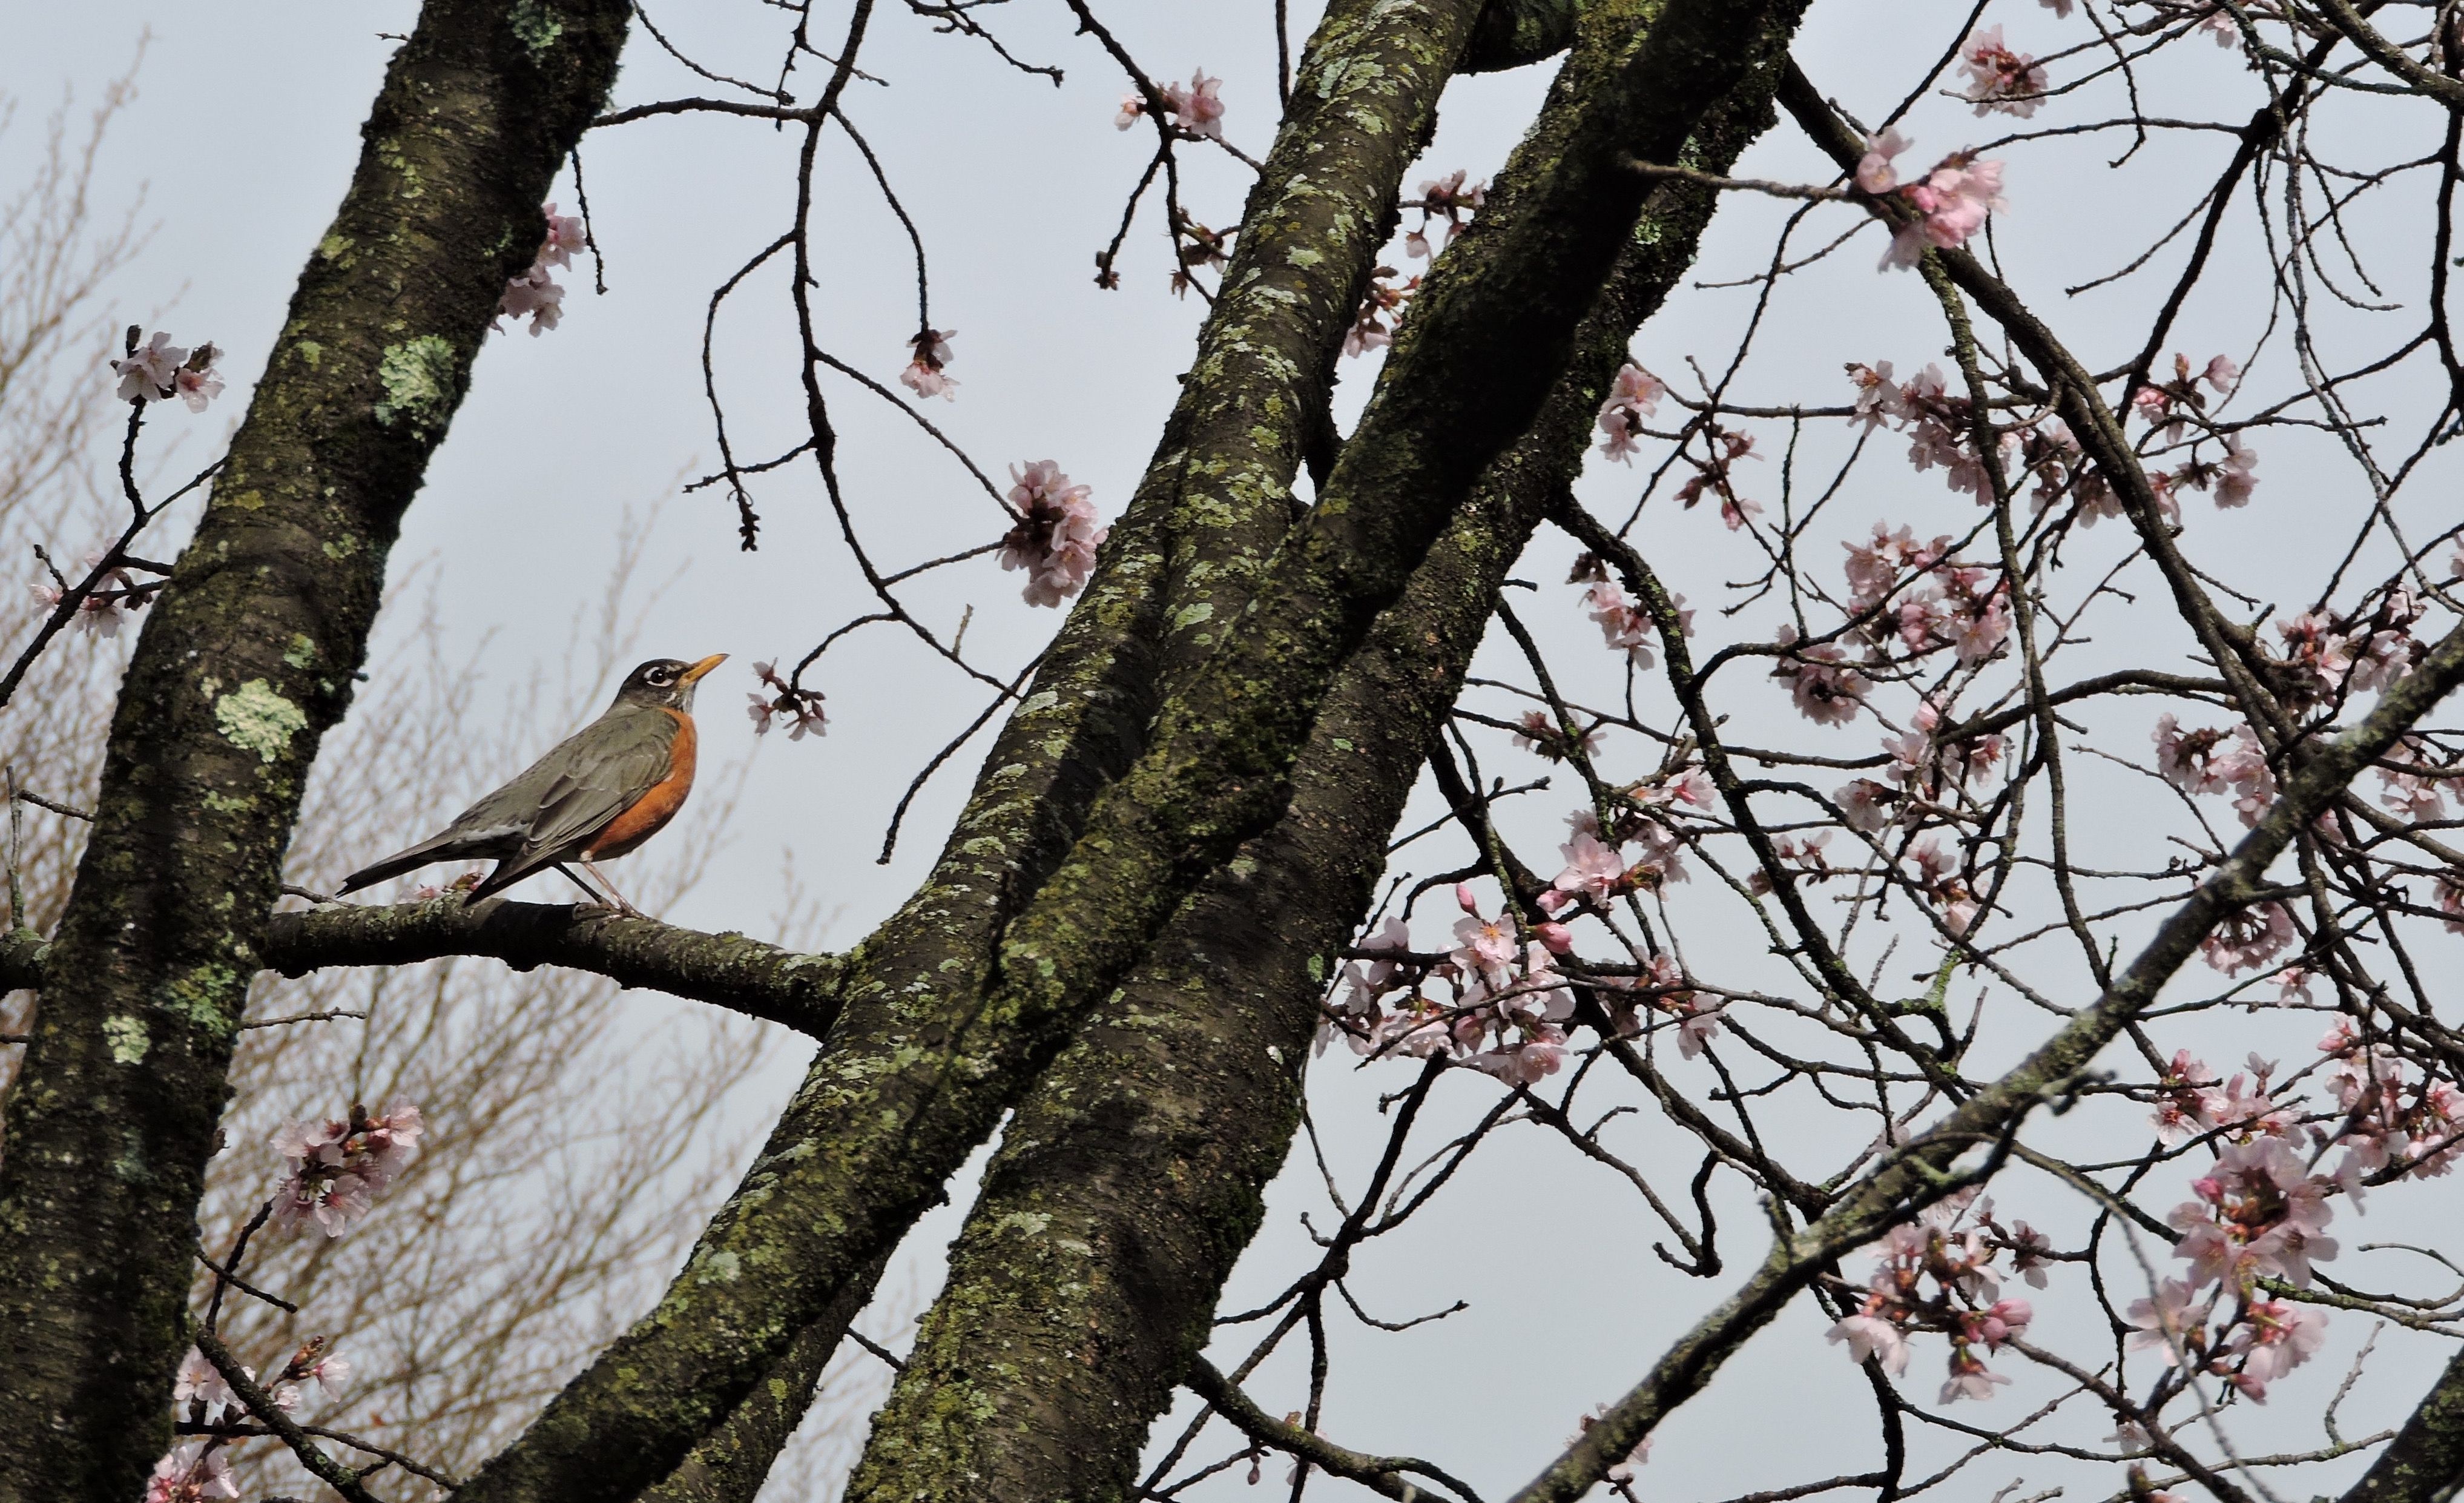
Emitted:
<point x="611" y="786"/>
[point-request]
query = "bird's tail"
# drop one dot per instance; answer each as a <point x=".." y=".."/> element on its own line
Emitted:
<point x="441" y="848"/>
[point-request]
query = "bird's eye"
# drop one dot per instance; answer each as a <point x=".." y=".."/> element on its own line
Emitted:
<point x="660" y="675"/>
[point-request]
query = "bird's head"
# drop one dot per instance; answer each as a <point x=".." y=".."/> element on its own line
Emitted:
<point x="666" y="683"/>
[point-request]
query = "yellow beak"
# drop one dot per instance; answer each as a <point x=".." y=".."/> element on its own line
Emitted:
<point x="695" y="672"/>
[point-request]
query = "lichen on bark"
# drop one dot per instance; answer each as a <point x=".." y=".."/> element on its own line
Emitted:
<point x="1132" y="1175"/>
<point x="219" y="720"/>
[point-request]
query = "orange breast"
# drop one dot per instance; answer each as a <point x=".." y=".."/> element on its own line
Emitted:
<point x="653" y="810"/>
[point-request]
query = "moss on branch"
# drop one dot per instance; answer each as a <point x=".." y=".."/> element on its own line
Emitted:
<point x="727" y="970"/>
<point x="243" y="663"/>
<point x="1133" y="1173"/>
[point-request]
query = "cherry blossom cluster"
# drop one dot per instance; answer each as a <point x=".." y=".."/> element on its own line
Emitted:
<point x="2413" y="778"/>
<point x="1633" y="396"/>
<point x="193" y="1471"/>
<point x="1624" y="625"/>
<point x="1938" y="1274"/>
<point x="2258" y="1213"/>
<point x="336" y="1166"/>
<point x="196" y="1470"/>
<point x="926" y="373"/>
<point x="1724" y="447"/>
<point x="535" y="295"/>
<point x="1923" y="598"/>
<point x="1056" y="536"/>
<point x="1381" y="311"/>
<point x="116" y="595"/>
<point x="1945" y="206"/>
<point x="1504" y="1007"/>
<point x="159" y="371"/>
<point x="1446" y="198"/>
<point x="799" y="708"/>
<point x="2393" y="1115"/>
<point x="2210" y="761"/>
<point x="2191" y="1103"/>
<point x="2000" y="78"/>
<point x="1196" y="107"/>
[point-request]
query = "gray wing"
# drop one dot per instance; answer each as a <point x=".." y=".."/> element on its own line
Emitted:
<point x="554" y="804"/>
<point x="577" y="789"/>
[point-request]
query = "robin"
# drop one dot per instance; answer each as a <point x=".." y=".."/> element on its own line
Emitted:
<point x="608" y="788"/>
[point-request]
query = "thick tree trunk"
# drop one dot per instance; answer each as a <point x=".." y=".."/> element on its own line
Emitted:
<point x="1214" y="501"/>
<point x="243" y="665"/>
<point x="1132" y="1174"/>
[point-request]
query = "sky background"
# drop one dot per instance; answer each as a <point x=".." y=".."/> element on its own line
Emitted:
<point x="246" y="129"/>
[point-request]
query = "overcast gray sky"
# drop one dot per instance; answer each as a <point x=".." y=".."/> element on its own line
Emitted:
<point x="247" y="127"/>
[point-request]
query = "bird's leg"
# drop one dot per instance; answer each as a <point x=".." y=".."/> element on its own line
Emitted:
<point x="622" y="905"/>
<point x="598" y="899"/>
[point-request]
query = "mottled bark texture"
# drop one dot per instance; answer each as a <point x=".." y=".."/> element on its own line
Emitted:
<point x="1133" y="1173"/>
<point x="825" y="1196"/>
<point x="2425" y="1462"/>
<point x="731" y="1464"/>
<point x="919" y="1068"/>
<point x="243" y="665"/>
<point x="727" y="970"/>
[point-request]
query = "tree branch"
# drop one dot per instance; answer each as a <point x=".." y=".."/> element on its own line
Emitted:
<point x="1382" y="1475"/>
<point x="727" y="970"/>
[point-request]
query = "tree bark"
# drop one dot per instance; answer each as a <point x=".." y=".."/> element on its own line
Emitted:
<point x="2425" y="1462"/>
<point x="243" y="665"/>
<point x="1213" y="502"/>
<point x="1133" y="1173"/>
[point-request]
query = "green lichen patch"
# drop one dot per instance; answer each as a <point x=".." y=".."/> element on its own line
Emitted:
<point x="536" y="26"/>
<point x="253" y="717"/>
<point x="128" y="1038"/>
<point x="418" y="379"/>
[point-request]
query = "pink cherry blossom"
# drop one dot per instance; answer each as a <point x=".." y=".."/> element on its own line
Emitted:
<point x="2248" y="939"/>
<point x="1592" y="869"/>
<point x="1133" y="108"/>
<point x="1199" y="107"/>
<point x="2275" y="1337"/>
<point x="1381" y="311"/>
<point x="1970" y="1378"/>
<point x="1827" y="691"/>
<point x="1872" y="1337"/>
<point x="1634" y="396"/>
<point x="1712" y="477"/>
<point x="1875" y="172"/>
<point x="1448" y="198"/>
<point x="199" y="1382"/>
<point x="1056" y="536"/>
<point x="2184" y="759"/>
<point x="925" y="374"/>
<point x="1950" y="203"/>
<point x="535" y="295"/>
<point x="338" y="1166"/>
<point x="1866" y="805"/>
<point x="2170" y="1323"/>
<point x="1486" y="947"/>
<point x="191" y="1471"/>
<point x="1623" y="625"/>
<point x="801" y="708"/>
<point x="2002" y="79"/>
<point x="161" y="370"/>
<point x="149" y="372"/>
<point x="2243" y="765"/>
<point x="2257" y="1212"/>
